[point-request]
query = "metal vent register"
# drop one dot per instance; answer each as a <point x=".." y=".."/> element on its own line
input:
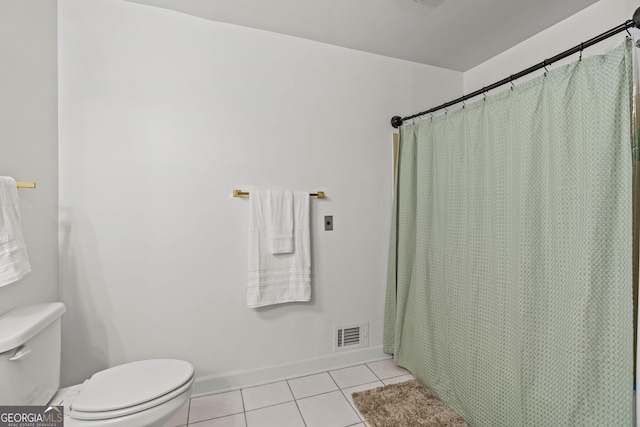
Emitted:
<point x="351" y="336"/>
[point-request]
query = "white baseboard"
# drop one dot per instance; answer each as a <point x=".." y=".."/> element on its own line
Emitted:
<point x="248" y="378"/>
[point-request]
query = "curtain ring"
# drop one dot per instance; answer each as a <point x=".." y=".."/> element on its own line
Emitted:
<point x="581" y="49"/>
<point x="546" y="70"/>
<point x="511" y="81"/>
<point x="484" y="95"/>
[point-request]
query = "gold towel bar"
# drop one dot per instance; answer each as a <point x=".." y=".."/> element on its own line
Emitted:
<point x="21" y="184"/>
<point x="240" y="193"/>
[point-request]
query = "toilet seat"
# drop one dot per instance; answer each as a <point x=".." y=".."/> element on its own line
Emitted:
<point x="133" y="387"/>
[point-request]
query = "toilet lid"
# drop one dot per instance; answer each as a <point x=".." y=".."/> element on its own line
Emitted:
<point x="131" y="384"/>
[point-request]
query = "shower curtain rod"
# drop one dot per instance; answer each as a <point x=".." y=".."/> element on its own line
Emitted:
<point x="396" y="121"/>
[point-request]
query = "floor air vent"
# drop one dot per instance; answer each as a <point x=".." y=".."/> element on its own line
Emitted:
<point x="351" y="336"/>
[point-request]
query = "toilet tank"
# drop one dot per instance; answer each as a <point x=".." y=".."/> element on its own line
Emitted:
<point x="30" y="354"/>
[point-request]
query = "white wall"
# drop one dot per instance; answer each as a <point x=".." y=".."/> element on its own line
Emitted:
<point x="584" y="25"/>
<point x="162" y="115"/>
<point x="28" y="139"/>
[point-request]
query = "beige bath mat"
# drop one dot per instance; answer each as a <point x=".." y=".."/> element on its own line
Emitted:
<point x="407" y="404"/>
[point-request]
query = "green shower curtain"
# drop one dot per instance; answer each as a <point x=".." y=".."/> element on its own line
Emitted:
<point x="510" y="273"/>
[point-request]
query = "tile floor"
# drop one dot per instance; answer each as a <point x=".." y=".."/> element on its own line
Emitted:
<point x="318" y="400"/>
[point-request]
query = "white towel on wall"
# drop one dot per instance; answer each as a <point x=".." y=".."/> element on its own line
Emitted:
<point x="14" y="261"/>
<point x="277" y="208"/>
<point x="276" y="278"/>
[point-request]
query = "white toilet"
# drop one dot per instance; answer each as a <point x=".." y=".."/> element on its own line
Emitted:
<point x="137" y="394"/>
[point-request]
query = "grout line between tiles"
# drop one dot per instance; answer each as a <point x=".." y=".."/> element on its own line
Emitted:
<point x="297" y="406"/>
<point x="333" y="379"/>
<point x="244" y="408"/>
<point x="374" y="374"/>
<point x="188" y="412"/>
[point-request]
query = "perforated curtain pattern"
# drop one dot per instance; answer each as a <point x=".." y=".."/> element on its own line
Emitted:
<point x="510" y="275"/>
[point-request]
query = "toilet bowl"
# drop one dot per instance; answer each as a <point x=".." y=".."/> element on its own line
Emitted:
<point x="136" y="394"/>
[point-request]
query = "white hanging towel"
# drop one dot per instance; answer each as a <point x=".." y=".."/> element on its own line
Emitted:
<point x="14" y="262"/>
<point x="277" y="208"/>
<point x="279" y="265"/>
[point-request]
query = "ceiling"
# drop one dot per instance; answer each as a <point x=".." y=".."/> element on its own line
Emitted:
<point x="453" y="34"/>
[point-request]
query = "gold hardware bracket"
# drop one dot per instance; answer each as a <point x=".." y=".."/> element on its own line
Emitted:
<point x="22" y="184"/>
